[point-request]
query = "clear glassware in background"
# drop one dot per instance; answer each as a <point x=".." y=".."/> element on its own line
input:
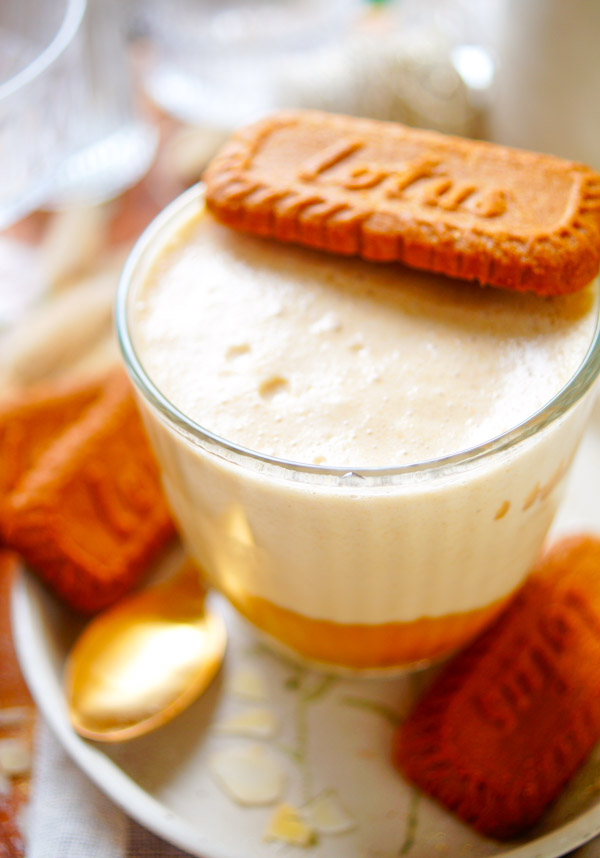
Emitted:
<point x="69" y="130"/>
<point x="223" y="64"/>
<point x="220" y="63"/>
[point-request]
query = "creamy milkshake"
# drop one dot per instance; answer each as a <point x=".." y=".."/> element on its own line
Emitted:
<point x="326" y="433"/>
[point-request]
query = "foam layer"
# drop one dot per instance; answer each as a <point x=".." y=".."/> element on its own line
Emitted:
<point x="308" y="357"/>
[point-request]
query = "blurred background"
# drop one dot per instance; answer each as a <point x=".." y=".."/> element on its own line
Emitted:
<point x="109" y="108"/>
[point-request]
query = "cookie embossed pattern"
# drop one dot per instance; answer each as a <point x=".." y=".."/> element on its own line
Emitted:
<point x="467" y="209"/>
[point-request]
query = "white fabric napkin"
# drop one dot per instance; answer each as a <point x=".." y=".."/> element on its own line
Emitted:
<point x="69" y="817"/>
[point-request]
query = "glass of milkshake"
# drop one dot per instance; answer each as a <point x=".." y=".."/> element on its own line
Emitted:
<point x="365" y="460"/>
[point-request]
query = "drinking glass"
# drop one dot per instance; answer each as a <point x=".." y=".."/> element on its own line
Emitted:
<point x="221" y="63"/>
<point x="362" y="569"/>
<point x="69" y="130"/>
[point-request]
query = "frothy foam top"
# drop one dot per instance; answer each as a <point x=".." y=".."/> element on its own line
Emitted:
<point x="318" y="359"/>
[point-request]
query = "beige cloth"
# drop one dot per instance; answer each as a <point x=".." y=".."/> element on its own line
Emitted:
<point x="69" y="817"/>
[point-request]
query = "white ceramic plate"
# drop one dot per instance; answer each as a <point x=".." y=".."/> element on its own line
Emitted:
<point x="333" y="734"/>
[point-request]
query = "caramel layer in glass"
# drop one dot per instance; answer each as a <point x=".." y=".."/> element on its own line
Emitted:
<point x="368" y="647"/>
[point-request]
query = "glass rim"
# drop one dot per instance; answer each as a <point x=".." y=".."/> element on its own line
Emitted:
<point x="579" y="383"/>
<point x="59" y="42"/>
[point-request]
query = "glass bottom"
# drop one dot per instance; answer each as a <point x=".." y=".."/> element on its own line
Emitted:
<point x="369" y="650"/>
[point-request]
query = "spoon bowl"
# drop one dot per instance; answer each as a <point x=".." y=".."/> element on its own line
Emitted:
<point x="139" y="664"/>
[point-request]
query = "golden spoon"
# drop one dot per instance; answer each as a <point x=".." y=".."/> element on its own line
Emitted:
<point x="142" y="662"/>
